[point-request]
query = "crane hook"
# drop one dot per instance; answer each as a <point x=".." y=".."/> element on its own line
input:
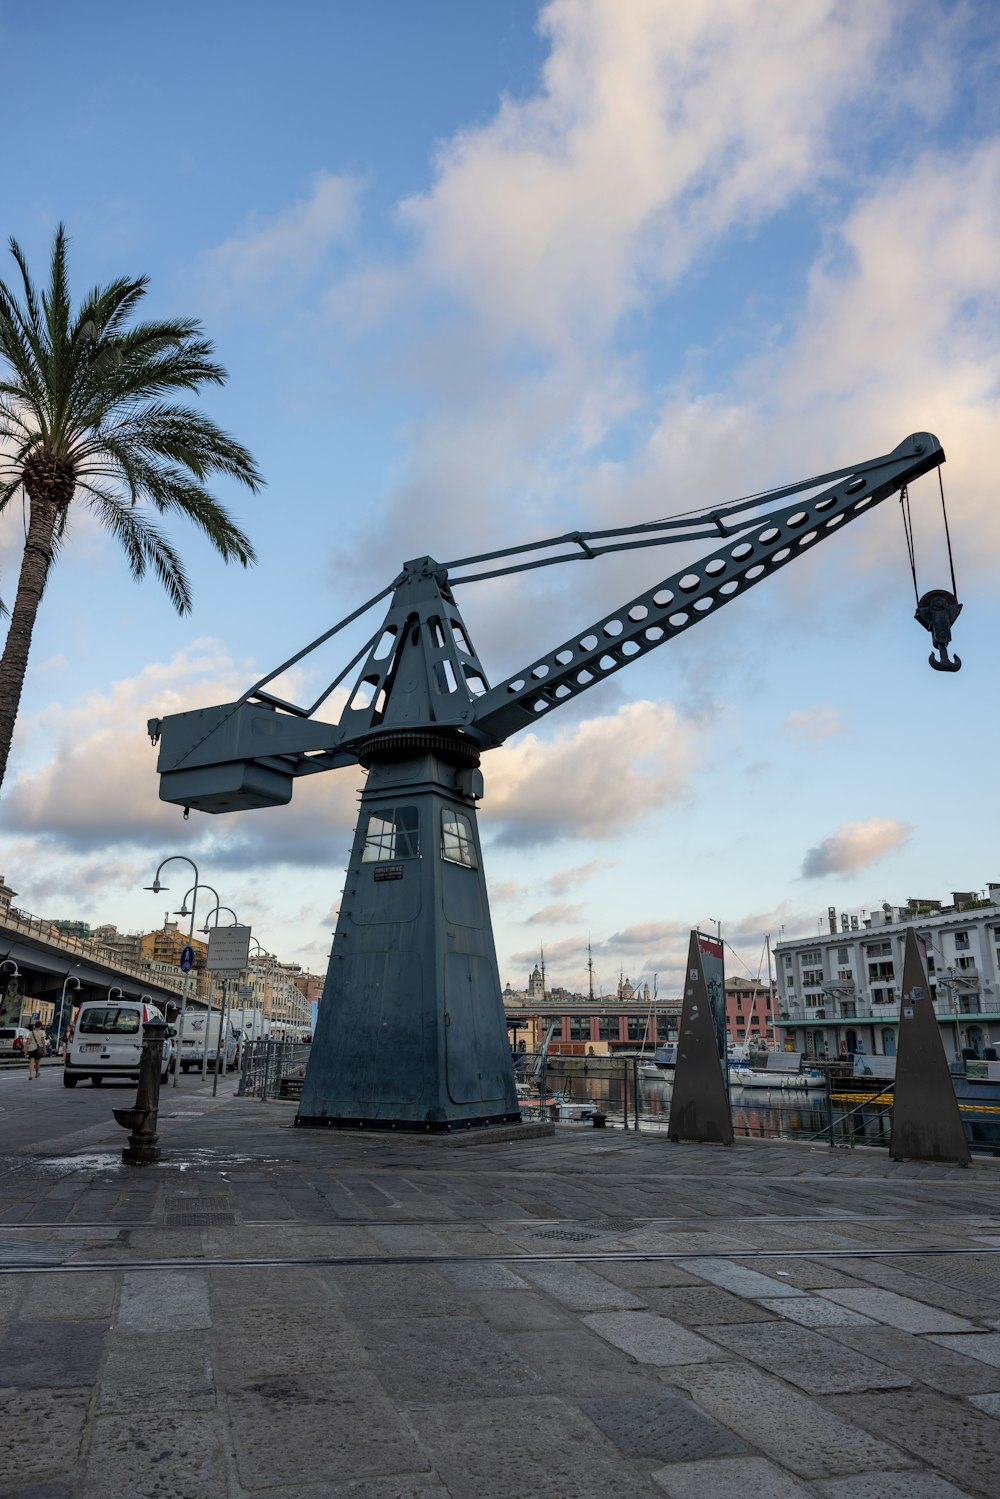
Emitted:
<point x="937" y="611"/>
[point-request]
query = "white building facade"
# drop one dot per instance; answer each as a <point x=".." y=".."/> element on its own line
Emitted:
<point x="839" y="992"/>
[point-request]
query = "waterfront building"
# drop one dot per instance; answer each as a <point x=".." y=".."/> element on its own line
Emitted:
<point x="750" y="1011"/>
<point x="839" y="992"/>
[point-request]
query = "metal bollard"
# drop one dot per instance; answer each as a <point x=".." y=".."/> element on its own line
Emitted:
<point x="142" y="1148"/>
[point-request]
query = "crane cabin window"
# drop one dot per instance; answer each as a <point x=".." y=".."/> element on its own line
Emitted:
<point x="457" y="843"/>
<point x="393" y="833"/>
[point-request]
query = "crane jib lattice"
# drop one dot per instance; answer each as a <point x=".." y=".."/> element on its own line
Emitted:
<point x="419" y="673"/>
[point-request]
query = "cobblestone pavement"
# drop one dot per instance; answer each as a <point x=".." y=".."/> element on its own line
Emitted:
<point x="295" y="1314"/>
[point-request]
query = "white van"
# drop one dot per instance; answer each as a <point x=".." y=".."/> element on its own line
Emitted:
<point x="192" y="1041"/>
<point x="107" y="1041"/>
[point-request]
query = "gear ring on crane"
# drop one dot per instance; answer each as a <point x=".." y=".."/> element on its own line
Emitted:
<point x="406" y="744"/>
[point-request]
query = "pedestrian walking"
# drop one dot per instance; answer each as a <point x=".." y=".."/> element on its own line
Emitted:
<point x="34" y="1047"/>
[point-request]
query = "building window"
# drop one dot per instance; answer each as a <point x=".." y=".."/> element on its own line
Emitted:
<point x="879" y="949"/>
<point x="608" y="1028"/>
<point x="579" y="1027"/>
<point x="878" y="971"/>
<point x="636" y="1027"/>
<point x="843" y="954"/>
<point x="965" y="963"/>
<point x="845" y="975"/>
<point x="811" y="957"/>
<point x="812" y="978"/>
<point x="666" y="1027"/>
<point x="961" y="941"/>
<point x="457" y="843"/>
<point x="392" y="834"/>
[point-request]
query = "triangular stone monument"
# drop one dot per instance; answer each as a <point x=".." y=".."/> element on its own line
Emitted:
<point x="926" y="1123"/>
<point x="699" y="1104"/>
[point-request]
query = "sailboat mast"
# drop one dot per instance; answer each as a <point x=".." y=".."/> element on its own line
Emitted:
<point x="590" y="972"/>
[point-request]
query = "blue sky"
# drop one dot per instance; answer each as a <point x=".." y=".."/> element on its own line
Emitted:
<point x="480" y="273"/>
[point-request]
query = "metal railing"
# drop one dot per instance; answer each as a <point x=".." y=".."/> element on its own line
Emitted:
<point x="273" y="1069"/>
<point x="634" y="1098"/>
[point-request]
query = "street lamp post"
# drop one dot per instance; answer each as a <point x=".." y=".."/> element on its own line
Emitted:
<point x="156" y="887"/>
<point x="69" y="979"/>
<point x="220" y="1054"/>
<point x="193" y="893"/>
<point x="6" y="963"/>
<point x="260" y="953"/>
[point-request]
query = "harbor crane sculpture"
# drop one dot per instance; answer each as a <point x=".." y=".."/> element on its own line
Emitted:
<point x="411" y="1032"/>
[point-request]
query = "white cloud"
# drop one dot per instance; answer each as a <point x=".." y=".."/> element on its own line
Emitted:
<point x="854" y="845"/>
<point x="277" y="255"/>
<point x="592" y="781"/>
<point x="557" y="914"/>
<point x="656" y="130"/>
<point x="92" y="781"/>
<point x="815" y="724"/>
<point x="569" y="879"/>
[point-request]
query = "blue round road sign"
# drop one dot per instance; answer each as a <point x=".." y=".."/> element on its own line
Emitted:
<point x="187" y="959"/>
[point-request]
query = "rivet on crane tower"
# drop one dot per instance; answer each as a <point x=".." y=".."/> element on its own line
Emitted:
<point x="411" y="1032"/>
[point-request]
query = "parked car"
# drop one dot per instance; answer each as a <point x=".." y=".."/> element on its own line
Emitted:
<point x="12" y="1040"/>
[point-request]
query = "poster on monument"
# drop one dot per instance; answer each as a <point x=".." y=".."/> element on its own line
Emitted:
<point x="715" y="981"/>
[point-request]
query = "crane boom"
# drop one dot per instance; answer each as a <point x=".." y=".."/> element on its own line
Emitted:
<point x="674" y="605"/>
<point x="421" y="675"/>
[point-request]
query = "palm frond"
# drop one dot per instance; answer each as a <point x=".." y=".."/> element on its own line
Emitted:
<point x="88" y="394"/>
<point x="143" y="545"/>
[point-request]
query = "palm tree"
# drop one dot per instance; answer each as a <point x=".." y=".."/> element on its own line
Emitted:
<point x="85" y="416"/>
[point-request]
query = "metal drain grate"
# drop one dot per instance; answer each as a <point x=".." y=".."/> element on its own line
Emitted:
<point x="616" y="1225"/>
<point x="206" y="1204"/>
<point x="571" y="1236"/>
<point x="200" y="1220"/>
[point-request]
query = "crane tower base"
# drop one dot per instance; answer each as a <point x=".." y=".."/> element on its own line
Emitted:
<point x="411" y="1033"/>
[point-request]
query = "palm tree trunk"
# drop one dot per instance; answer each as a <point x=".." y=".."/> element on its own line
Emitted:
<point x="35" y="566"/>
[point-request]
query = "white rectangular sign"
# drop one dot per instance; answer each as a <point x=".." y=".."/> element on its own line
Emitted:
<point x="228" y="948"/>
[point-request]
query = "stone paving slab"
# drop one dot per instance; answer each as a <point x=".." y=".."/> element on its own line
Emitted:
<point x="730" y="1478"/>
<point x="981" y="1345"/>
<point x="697" y="1306"/>
<point x="300" y="1425"/>
<point x="148" y="1372"/>
<point x="543" y="1448"/>
<point x="663" y="1427"/>
<point x="797" y="1432"/>
<point x="525" y="1312"/>
<point x="948" y="1436"/>
<point x="578" y="1287"/>
<point x="422" y="1359"/>
<point x="579" y="1364"/>
<point x="815" y="1311"/>
<point x="951" y="1373"/>
<point x="891" y="1486"/>
<point x="989" y="1403"/>
<point x="61" y="1414"/>
<point x="186" y="1450"/>
<point x="739" y="1279"/>
<point x="38" y="1355"/>
<point x="651" y="1339"/>
<point x="898" y="1311"/>
<point x="807" y="1359"/>
<point x="164" y="1302"/>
